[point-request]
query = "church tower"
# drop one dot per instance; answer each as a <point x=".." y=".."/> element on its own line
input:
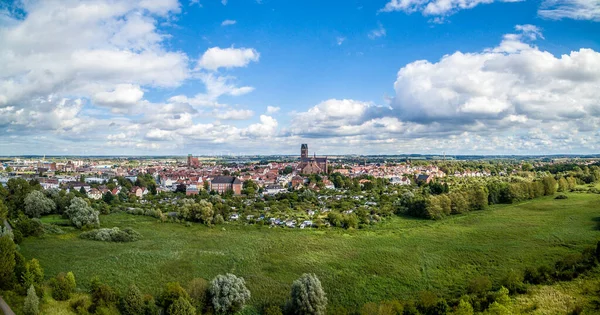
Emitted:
<point x="304" y="151"/>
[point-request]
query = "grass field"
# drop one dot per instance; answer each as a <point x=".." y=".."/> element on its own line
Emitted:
<point x="394" y="260"/>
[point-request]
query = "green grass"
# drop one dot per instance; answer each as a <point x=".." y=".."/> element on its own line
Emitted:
<point x="394" y="260"/>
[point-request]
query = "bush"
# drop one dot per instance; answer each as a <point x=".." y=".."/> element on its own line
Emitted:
<point x="561" y="197"/>
<point x="198" y="291"/>
<point x="229" y="293"/>
<point x="273" y="310"/>
<point x="514" y="282"/>
<point x="7" y="262"/>
<point x="102" y="295"/>
<point x="32" y="302"/>
<point x="181" y="306"/>
<point x="36" y="204"/>
<point x="171" y="293"/>
<point x="150" y="307"/>
<point x="308" y="296"/>
<point x="480" y="285"/>
<point x="112" y="235"/>
<point x="80" y="305"/>
<point x="133" y="302"/>
<point x="81" y="214"/>
<point x="61" y="287"/>
<point x="52" y="229"/>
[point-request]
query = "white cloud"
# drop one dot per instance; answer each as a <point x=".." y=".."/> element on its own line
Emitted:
<point x="570" y="9"/>
<point x="235" y="114"/>
<point x="224" y="2"/>
<point x="228" y="22"/>
<point x="378" y="32"/>
<point x="215" y="58"/>
<point x="340" y="40"/>
<point x="122" y="95"/>
<point x="435" y="7"/>
<point x="266" y="128"/>
<point x="272" y="110"/>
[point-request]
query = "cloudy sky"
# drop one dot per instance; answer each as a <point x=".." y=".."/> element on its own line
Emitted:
<point x="156" y="77"/>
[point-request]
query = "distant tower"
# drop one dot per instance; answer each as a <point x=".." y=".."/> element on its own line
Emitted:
<point x="304" y="151"/>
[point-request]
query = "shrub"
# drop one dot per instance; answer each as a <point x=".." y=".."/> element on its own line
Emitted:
<point x="61" y="287"/>
<point x="52" y="229"/>
<point x="308" y="296"/>
<point x="28" y="227"/>
<point x="198" y="291"/>
<point x="32" y="302"/>
<point x="171" y="293"/>
<point x="36" y="204"/>
<point x="80" y="305"/>
<point x="102" y="295"/>
<point x="181" y="306"/>
<point x="218" y="219"/>
<point x="480" y="285"/>
<point x="7" y="262"/>
<point x="273" y="310"/>
<point x="150" y="307"/>
<point x="497" y="309"/>
<point x="464" y="308"/>
<point x="561" y="197"/>
<point x="229" y="293"/>
<point x="133" y="302"/>
<point x="111" y="235"/>
<point x="81" y="214"/>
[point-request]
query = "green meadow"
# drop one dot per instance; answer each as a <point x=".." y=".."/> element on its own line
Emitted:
<point x="393" y="260"/>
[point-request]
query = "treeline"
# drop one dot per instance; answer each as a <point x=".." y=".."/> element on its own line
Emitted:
<point x="477" y="197"/>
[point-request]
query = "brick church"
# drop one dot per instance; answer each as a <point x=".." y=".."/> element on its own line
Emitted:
<point x="311" y="165"/>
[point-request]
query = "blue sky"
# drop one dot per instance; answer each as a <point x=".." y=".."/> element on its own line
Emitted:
<point x="260" y="77"/>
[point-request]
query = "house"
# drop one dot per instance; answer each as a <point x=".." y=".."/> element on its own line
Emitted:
<point x="424" y="178"/>
<point x="274" y="190"/>
<point x="234" y="217"/>
<point x="138" y="191"/>
<point x="399" y="181"/>
<point x="94" y="194"/>
<point x="222" y="184"/>
<point x="297" y="181"/>
<point x="191" y="190"/>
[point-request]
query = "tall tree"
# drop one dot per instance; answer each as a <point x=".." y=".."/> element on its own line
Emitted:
<point x="308" y="296"/>
<point x="36" y="204"/>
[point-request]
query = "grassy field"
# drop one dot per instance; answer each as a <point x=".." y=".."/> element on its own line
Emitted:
<point x="394" y="260"/>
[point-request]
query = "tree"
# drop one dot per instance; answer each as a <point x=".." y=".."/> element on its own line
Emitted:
<point x="563" y="185"/>
<point x="229" y="293"/>
<point x="171" y="293"/>
<point x="198" y="291"/>
<point x="308" y="296"/>
<point x="3" y="211"/>
<point x="7" y="262"/>
<point x="36" y="204"/>
<point x="549" y="185"/>
<point x="34" y="274"/>
<point x="464" y="308"/>
<point x="108" y="197"/>
<point x="181" y="306"/>
<point x="32" y="302"/>
<point x="133" y="301"/>
<point x="81" y="214"/>
<point x="61" y="287"/>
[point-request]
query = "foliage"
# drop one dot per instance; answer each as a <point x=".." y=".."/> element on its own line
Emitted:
<point x="463" y="308"/>
<point x="229" y="293"/>
<point x="133" y="302"/>
<point x="32" y="302"/>
<point x="480" y="285"/>
<point x="562" y="196"/>
<point x="181" y="306"/>
<point x="307" y="296"/>
<point x="36" y="204"/>
<point x="171" y="293"/>
<point x="62" y="286"/>
<point x="112" y="235"/>
<point x="102" y="294"/>
<point x="198" y="291"/>
<point x="3" y="211"/>
<point x="81" y="214"/>
<point x="7" y="262"/>
<point x="27" y="226"/>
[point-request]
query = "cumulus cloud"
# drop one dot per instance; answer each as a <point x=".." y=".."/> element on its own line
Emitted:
<point x="272" y="109"/>
<point x="122" y="95"/>
<point x="570" y="9"/>
<point x="215" y="58"/>
<point x="235" y="114"/>
<point x="435" y="7"/>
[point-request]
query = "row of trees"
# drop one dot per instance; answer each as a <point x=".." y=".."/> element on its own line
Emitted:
<point x="478" y="197"/>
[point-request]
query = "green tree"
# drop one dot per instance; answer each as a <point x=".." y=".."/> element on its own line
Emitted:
<point x="61" y="287"/>
<point x="229" y="293"/>
<point x="307" y="296"/>
<point x="198" y="291"/>
<point x="36" y="204"/>
<point x="31" y="306"/>
<point x="181" y="306"/>
<point x="497" y="309"/>
<point x="3" y="211"/>
<point x="549" y="185"/>
<point x="7" y="262"/>
<point x="132" y="302"/>
<point x="171" y="293"/>
<point x="81" y="214"/>
<point x="108" y="197"/>
<point x="464" y="308"/>
<point x="563" y="186"/>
